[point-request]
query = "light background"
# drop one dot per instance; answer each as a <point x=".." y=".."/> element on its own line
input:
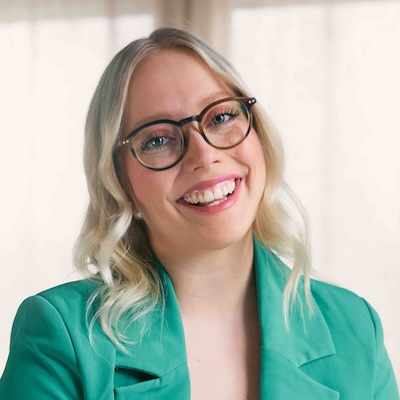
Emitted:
<point x="326" y="72"/>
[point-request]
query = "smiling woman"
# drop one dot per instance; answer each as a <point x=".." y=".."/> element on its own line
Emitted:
<point x="186" y="296"/>
<point x="199" y="167"/>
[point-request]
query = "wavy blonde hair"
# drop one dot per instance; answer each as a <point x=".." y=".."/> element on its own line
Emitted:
<point x="113" y="248"/>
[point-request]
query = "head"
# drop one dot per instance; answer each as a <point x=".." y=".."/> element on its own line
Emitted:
<point x="117" y="244"/>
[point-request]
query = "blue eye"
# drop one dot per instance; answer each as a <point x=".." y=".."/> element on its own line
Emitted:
<point x="158" y="139"/>
<point x="223" y="117"/>
<point x="154" y="143"/>
<point x="220" y="119"/>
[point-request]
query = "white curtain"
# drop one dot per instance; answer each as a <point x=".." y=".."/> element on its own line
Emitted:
<point x="326" y="72"/>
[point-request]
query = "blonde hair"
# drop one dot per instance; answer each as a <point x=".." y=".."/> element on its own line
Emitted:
<point x="113" y="248"/>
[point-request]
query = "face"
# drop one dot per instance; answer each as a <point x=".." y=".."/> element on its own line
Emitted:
<point x="229" y="183"/>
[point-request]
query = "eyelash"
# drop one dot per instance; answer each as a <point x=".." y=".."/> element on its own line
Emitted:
<point x="145" y="142"/>
<point x="231" y="112"/>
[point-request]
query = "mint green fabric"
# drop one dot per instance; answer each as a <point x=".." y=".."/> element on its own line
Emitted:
<point x="338" y="353"/>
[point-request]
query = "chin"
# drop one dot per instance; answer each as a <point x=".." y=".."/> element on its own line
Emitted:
<point x="223" y="239"/>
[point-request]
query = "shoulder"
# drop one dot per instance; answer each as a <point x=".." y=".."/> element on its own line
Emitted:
<point x="58" y="317"/>
<point x="345" y="311"/>
<point x="338" y="301"/>
<point x="357" y="333"/>
<point x="52" y="350"/>
<point x="55" y="312"/>
<point x="63" y="305"/>
<point x="70" y="294"/>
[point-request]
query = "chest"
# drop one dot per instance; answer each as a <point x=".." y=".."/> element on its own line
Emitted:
<point x="224" y="364"/>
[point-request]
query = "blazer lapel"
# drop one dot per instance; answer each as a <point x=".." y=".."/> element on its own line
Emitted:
<point x="159" y="358"/>
<point x="285" y="350"/>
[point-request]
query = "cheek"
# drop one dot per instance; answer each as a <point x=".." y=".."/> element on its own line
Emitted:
<point x="140" y="184"/>
<point x="134" y="176"/>
<point x="150" y="189"/>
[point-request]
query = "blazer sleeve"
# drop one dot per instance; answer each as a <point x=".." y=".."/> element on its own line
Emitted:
<point x="42" y="364"/>
<point x="385" y="381"/>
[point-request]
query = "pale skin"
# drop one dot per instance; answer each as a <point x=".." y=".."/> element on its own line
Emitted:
<point x="209" y="255"/>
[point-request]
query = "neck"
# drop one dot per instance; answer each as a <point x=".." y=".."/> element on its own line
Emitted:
<point x="218" y="283"/>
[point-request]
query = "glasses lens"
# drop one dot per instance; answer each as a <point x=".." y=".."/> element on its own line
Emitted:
<point x="158" y="146"/>
<point x="226" y="124"/>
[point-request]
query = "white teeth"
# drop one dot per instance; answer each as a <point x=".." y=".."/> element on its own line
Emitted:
<point x="218" y="194"/>
<point x="201" y="197"/>
<point x="208" y="196"/>
<point x="194" y="198"/>
<point x="211" y="195"/>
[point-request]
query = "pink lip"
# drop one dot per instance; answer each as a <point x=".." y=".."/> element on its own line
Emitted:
<point x="209" y="183"/>
<point x="204" y="209"/>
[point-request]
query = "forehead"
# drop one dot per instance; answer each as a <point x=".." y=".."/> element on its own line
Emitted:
<point x="171" y="84"/>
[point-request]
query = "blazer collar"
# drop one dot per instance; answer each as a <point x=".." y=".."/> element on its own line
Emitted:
<point x="286" y="349"/>
<point x="162" y="347"/>
<point x="305" y="339"/>
<point x="160" y="354"/>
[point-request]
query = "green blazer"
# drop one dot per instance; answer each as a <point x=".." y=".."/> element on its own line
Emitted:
<point x="336" y="354"/>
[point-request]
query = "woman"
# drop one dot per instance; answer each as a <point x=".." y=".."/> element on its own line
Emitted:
<point x="185" y="296"/>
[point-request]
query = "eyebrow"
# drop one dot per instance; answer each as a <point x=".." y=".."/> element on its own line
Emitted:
<point x="214" y="97"/>
<point x="203" y="104"/>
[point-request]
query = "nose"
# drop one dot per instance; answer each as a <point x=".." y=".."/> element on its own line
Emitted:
<point x="199" y="154"/>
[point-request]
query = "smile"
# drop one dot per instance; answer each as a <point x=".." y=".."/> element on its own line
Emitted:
<point x="211" y="196"/>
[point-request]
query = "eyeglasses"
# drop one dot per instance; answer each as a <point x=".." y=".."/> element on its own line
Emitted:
<point x="161" y="144"/>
